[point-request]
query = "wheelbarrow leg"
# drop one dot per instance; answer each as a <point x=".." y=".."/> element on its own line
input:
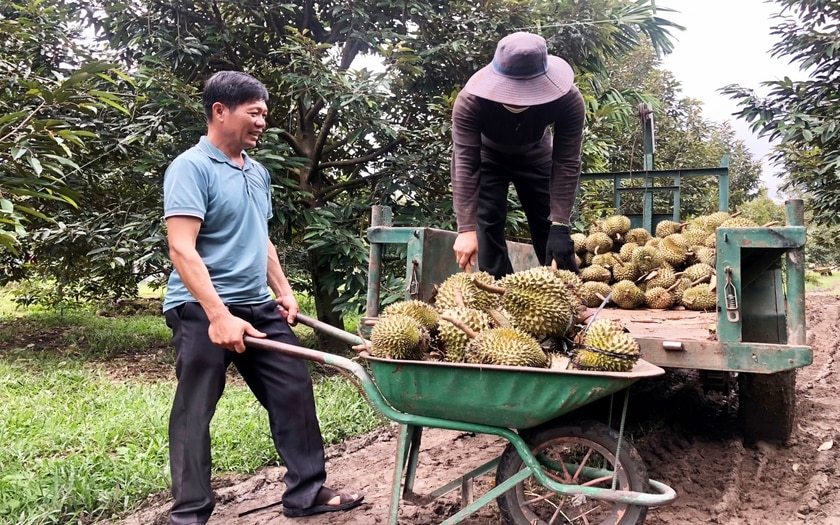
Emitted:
<point x="408" y="450"/>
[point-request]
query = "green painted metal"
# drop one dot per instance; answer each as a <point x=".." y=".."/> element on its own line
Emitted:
<point x="661" y="181"/>
<point x="761" y="358"/>
<point x="512" y="397"/>
<point x="756" y="305"/>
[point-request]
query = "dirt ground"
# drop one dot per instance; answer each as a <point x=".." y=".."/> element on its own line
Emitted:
<point x="688" y="439"/>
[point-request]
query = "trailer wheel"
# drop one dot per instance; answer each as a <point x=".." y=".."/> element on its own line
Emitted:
<point x="766" y="405"/>
<point x="589" y="444"/>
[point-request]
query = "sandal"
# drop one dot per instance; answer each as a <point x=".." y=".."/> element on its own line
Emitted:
<point x="322" y="503"/>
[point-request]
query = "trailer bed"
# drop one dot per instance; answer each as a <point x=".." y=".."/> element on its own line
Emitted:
<point x="668" y="325"/>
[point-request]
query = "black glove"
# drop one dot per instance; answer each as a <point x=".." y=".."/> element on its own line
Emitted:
<point x="561" y="248"/>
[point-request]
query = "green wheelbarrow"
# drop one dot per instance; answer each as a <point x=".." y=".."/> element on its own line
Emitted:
<point x="553" y="470"/>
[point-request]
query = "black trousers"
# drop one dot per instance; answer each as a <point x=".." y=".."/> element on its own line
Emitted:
<point x="282" y="385"/>
<point x="531" y="183"/>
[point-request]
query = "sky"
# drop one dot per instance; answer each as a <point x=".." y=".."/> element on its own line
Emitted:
<point x="726" y="42"/>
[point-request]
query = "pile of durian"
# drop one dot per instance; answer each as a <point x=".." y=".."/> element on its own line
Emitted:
<point x="675" y="267"/>
<point x="529" y="318"/>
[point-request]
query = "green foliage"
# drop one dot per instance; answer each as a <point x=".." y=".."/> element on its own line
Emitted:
<point x="802" y="115"/>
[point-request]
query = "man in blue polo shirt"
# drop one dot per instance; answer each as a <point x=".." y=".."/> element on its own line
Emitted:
<point x="217" y="202"/>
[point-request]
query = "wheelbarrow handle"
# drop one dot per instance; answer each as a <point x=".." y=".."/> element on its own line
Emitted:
<point x="341" y="335"/>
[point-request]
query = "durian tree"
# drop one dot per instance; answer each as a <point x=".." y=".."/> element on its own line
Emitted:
<point x="802" y="114"/>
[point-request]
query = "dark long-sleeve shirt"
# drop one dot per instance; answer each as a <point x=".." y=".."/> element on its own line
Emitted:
<point x="478" y="123"/>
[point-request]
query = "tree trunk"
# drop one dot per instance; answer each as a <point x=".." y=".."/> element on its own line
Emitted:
<point x="324" y="299"/>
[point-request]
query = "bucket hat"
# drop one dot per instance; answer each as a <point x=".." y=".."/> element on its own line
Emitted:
<point x="522" y="73"/>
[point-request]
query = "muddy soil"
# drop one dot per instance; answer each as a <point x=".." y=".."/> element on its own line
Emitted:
<point x="687" y="437"/>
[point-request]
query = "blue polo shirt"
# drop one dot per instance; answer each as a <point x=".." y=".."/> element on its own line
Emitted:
<point x="234" y="205"/>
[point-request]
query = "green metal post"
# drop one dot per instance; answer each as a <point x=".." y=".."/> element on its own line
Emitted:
<point x="795" y="277"/>
<point x="379" y="216"/>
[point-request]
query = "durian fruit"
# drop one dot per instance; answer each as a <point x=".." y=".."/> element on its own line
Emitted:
<point x="637" y="235"/>
<point x="579" y="241"/>
<point x="625" y="253"/>
<point x="625" y="271"/>
<point x="398" y="336"/>
<point x="607" y="348"/>
<point x="453" y="337"/>
<point x="420" y="311"/>
<point x="595" y="272"/>
<point x="658" y="297"/>
<point x="694" y="236"/>
<point x="674" y="249"/>
<point x="662" y="277"/>
<point x="538" y="302"/>
<point x="604" y="259"/>
<point x="647" y="258"/>
<point x="626" y="295"/>
<point x="653" y="242"/>
<point x="699" y="271"/>
<point x="616" y="226"/>
<point x="739" y="222"/>
<point x="573" y="284"/>
<point x="598" y="242"/>
<point x="711" y="240"/>
<point x="506" y="346"/>
<point x="704" y="255"/>
<point x="677" y="289"/>
<point x="666" y="228"/>
<point x="597" y="226"/>
<point x="699" y="297"/>
<point x="593" y="293"/>
<point x="714" y="220"/>
<point x="459" y="289"/>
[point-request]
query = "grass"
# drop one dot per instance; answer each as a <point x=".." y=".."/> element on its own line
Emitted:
<point x="80" y="446"/>
<point x="816" y="282"/>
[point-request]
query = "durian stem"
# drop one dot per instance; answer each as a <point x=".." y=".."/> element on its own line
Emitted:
<point x="492" y="288"/>
<point x="499" y="317"/>
<point x="771" y="223"/>
<point x="458" y="297"/>
<point x="459" y="324"/>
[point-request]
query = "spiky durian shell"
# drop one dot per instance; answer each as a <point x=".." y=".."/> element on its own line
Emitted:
<point x="677" y="289"/>
<point x="625" y="271"/>
<point x="595" y="272"/>
<point x="739" y="222"/>
<point x="616" y="226"/>
<point x="699" y="271"/>
<point x="626" y="295"/>
<point x="593" y="293"/>
<point x="607" y="260"/>
<point x="625" y="253"/>
<point x="506" y="346"/>
<point x="598" y="242"/>
<point x="538" y="302"/>
<point x="695" y="236"/>
<point x="713" y="220"/>
<point x="658" y="298"/>
<point x="601" y="328"/>
<point x="472" y="296"/>
<point x="662" y="277"/>
<point x="454" y="339"/>
<point x="674" y="248"/>
<point x="619" y="351"/>
<point x="699" y="297"/>
<point x="666" y="228"/>
<point x="579" y="241"/>
<point x="705" y="255"/>
<point x="422" y="312"/>
<point x="398" y="336"/>
<point x="637" y="235"/>
<point x="647" y="258"/>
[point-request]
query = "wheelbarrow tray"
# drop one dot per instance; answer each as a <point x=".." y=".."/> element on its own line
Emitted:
<point x="502" y="396"/>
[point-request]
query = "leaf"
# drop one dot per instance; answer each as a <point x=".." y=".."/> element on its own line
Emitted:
<point x="826" y="446"/>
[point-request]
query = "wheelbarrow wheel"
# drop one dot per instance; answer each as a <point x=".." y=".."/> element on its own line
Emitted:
<point x="589" y="444"/>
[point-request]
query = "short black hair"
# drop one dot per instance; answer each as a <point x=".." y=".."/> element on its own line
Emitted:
<point x="231" y="88"/>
